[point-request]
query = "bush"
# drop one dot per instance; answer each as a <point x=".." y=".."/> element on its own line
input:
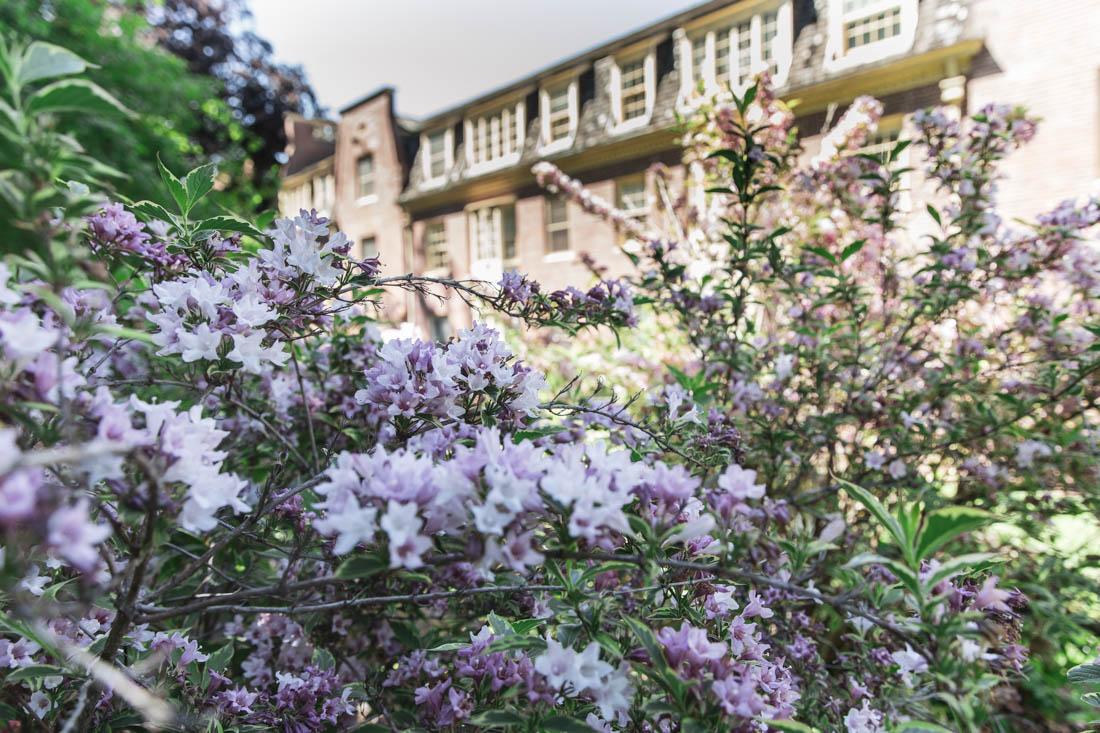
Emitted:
<point x="229" y="505"/>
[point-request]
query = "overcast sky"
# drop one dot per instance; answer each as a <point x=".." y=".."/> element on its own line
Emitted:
<point x="438" y="53"/>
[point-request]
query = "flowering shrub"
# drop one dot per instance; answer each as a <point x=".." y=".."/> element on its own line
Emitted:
<point x="228" y="504"/>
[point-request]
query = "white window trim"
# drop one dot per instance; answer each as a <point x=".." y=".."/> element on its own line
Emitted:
<point x="565" y="255"/>
<point x="436" y="270"/>
<point x="835" y="57"/>
<point x="784" y="50"/>
<point x="426" y="157"/>
<point x="618" y="125"/>
<point x="519" y="119"/>
<point x="545" y="145"/>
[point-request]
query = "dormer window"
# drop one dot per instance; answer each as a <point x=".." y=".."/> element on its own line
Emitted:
<point x="863" y="31"/>
<point x="558" y="112"/>
<point x="730" y="53"/>
<point x="437" y="154"/>
<point x="495" y="138"/>
<point x="633" y="90"/>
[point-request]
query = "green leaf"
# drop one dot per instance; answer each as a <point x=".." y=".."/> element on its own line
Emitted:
<point x="852" y="248"/>
<point x="34" y="672"/>
<point x="151" y="210"/>
<point x="361" y="566"/>
<point x="916" y="726"/>
<point x="944" y="525"/>
<point x="198" y="182"/>
<point x="497" y="719"/>
<point x="450" y="646"/>
<point x="563" y="724"/>
<point x="1092" y="698"/>
<point x="323" y="659"/>
<point x="44" y="60"/>
<point x="905" y="575"/>
<point x="956" y="565"/>
<point x="220" y="659"/>
<point x="790" y="725"/>
<point x="230" y="224"/>
<point x="175" y="186"/>
<point x="887" y="520"/>
<point x="648" y="640"/>
<point x="1085" y="674"/>
<point x="74" y="95"/>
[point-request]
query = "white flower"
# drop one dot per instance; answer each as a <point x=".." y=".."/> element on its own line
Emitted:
<point x="248" y="351"/>
<point x="909" y="663"/>
<point x="207" y="295"/>
<point x="615" y="694"/>
<point x="557" y="664"/>
<point x="202" y="343"/>
<point x="40" y="704"/>
<point x="252" y="311"/>
<point x="34" y="583"/>
<point x="24" y="337"/>
<point x="354" y="525"/>
<point x="864" y="719"/>
<point x="402" y="525"/>
<point x="741" y="483"/>
<point x="897" y="468"/>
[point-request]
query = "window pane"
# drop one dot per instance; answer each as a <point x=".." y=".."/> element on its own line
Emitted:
<point x="744" y="53"/>
<point x="633" y="90"/>
<point x="437" y="154"/>
<point x="770" y="26"/>
<point x="561" y="123"/>
<point x="508" y="231"/>
<point x="365" y="175"/>
<point x="698" y="59"/>
<point x="370" y="247"/>
<point x="872" y="28"/>
<point x="557" y="224"/>
<point x="632" y="197"/>
<point x="722" y="57"/>
<point x="435" y="247"/>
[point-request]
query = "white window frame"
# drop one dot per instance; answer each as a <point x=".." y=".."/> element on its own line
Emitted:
<point x="837" y="58"/>
<point x="491" y="213"/>
<point x="557" y="255"/>
<point x="426" y="156"/>
<point x="480" y="127"/>
<point x="572" y="89"/>
<point x="437" y="225"/>
<point x="370" y="198"/>
<point x="649" y="61"/>
<point x="638" y="214"/>
<point x="783" y="49"/>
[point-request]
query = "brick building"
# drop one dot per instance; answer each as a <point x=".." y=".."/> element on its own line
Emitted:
<point x="453" y="194"/>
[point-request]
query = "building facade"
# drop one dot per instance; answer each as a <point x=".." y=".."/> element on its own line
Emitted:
<point x="453" y="194"/>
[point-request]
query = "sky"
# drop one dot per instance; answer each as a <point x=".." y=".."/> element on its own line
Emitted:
<point x="438" y="53"/>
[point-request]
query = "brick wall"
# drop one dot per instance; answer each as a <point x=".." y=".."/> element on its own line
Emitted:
<point x="1044" y="54"/>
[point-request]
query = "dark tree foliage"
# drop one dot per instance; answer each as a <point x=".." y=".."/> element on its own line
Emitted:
<point x="201" y="88"/>
<point x="259" y="90"/>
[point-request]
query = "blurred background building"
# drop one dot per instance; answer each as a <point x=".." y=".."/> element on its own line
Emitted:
<point x="453" y="194"/>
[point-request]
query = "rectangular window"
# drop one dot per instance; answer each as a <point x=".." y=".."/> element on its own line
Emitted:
<point x="744" y="53"/>
<point x="722" y="56"/>
<point x="865" y="29"/>
<point x="559" y="114"/>
<point x="435" y="247"/>
<point x="557" y="224"/>
<point x="365" y="176"/>
<point x="495" y="136"/>
<point x="494" y="232"/>
<point x="437" y="154"/>
<point x="369" y="247"/>
<point x="740" y="50"/>
<point x="632" y="198"/>
<point x="632" y="90"/>
<point x="698" y="60"/>
<point x="881" y="144"/>
<point x="770" y="31"/>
